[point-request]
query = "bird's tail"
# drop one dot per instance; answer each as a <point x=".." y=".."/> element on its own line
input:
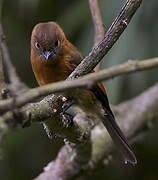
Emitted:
<point x="119" y="139"/>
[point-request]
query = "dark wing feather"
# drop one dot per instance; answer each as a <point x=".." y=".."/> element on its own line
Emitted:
<point x="109" y="121"/>
<point x="112" y="127"/>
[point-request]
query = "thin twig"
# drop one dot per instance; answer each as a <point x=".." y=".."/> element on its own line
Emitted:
<point x="85" y="81"/>
<point x="98" y="25"/>
<point x="97" y="21"/>
<point x="2" y="79"/>
<point x="6" y="58"/>
<point x="11" y="72"/>
<point x="15" y="81"/>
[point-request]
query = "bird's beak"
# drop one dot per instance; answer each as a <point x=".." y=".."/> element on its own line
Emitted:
<point x="46" y="54"/>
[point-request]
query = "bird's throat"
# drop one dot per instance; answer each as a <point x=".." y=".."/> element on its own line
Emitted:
<point x="46" y="72"/>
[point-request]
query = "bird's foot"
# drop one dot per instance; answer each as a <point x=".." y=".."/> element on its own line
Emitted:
<point x="67" y="118"/>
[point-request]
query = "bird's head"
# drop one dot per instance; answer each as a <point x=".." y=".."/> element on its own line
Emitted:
<point x="47" y="40"/>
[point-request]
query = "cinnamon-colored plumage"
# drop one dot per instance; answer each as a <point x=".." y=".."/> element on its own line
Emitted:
<point x="53" y="58"/>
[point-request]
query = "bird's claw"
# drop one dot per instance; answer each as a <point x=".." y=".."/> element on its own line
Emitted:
<point x="67" y="118"/>
<point x="67" y="105"/>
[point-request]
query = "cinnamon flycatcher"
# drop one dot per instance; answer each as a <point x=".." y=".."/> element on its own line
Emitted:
<point x="53" y="58"/>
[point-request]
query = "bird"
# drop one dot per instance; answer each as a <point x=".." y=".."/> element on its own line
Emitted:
<point x="54" y="58"/>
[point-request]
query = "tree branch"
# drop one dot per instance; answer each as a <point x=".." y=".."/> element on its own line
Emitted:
<point x="90" y="61"/>
<point x="111" y="36"/>
<point x="85" y="81"/>
<point x="98" y="138"/>
<point x="131" y="116"/>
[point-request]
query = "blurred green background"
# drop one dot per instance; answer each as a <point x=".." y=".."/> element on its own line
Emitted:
<point x="26" y="151"/>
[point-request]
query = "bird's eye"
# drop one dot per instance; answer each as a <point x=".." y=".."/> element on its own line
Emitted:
<point x="56" y="44"/>
<point x="37" y="45"/>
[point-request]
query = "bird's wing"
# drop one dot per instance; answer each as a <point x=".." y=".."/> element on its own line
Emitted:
<point x="111" y="125"/>
<point x="109" y="120"/>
